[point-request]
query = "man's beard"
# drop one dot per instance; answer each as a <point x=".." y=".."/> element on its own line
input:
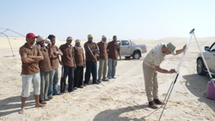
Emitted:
<point x="42" y="47"/>
<point x="32" y="43"/>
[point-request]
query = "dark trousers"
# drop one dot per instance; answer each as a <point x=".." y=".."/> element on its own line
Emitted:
<point x="91" y="67"/>
<point x="65" y="72"/>
<point x="78" y="76"/>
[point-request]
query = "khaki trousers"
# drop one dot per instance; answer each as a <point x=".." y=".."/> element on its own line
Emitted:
<point x="44" y="85"/>
<point x="151" y="83"/>
<point x="102" y="68"/>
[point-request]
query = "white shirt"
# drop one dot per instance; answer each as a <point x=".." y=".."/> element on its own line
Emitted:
<point x="155" y="56"/>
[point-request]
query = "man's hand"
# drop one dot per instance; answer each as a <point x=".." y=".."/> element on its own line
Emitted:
<point x="29" y="56"/>
<point x="51" y="55"/>
<point x="172" y="71"/>
<point x="94" y="58"/>
<point x="181" y="50"/>
<point x="55" y="53"/>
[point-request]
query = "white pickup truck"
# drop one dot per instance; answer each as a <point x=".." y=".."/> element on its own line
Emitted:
<point x="128" y="48"/>
<point x="209" y="55"/>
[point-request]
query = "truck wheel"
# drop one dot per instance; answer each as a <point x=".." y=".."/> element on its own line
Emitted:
<point x="136" y="55"/>
<point x="200" y="67"/>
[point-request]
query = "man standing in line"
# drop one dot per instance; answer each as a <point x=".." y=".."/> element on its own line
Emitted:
<point x="103" y="58"/>
<point x="113" y="49"/>
<point x="151" y="65"/>
<point x="45" y="68"/>
<point x="80" y="62"/>
<point x="30" y="56"/>
<point x="55" y="52"/>
<point x="68" y="65"/>
<point x="91" y="50"/>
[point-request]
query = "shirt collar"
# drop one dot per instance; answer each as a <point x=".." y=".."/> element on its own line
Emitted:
<point x="26" y="45"/>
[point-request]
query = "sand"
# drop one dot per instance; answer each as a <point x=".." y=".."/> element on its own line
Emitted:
<point x="120" y="99"/>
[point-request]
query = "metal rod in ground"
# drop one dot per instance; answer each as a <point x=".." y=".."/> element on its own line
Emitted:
<point x="206" y="65"/>
<point x="167" y="93"/>
<point x="179" y="65"/>
<point x="168" y="97"/>
<point x="178" y="69"/>
<point x="10" y="46"/>
<point x="203" y="57"/>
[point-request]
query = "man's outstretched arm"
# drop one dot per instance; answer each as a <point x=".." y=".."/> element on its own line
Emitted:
<point x="181" y="50"/>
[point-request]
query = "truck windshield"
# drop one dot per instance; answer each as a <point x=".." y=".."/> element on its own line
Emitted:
<point x="125" y="42"/>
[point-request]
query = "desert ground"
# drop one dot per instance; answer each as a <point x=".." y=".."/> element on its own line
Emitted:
<point x="120" y="99"/>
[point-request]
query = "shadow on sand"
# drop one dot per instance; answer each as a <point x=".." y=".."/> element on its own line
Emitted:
<point x="197" y="85"/>
<point x="114" y="115"/>
<point x="13" y="104"/>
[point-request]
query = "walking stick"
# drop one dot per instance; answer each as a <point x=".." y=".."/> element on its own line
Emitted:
<point x="176" y="77"/>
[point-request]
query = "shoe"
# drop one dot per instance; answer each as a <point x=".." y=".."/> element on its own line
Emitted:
<point x="157" y="101"/>
<point x="113" y="77"/>
<point x="153" y="105"/>
<point x="50" y="97"/>
<point x="70" y="90"/>
<point x="80" y="87"/>
<point x="57" y="94"/>
<point x="96" y="83"/>
<point x="42" y="102"/>
<point x="105" y="80"/>
<point x="47" y="100"/>
<point x="109" y="77"/>
<point x="85" y="84"/>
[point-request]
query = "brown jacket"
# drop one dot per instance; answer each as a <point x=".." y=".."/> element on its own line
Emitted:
<point x="30" y="68"/>
<point x="113" y="48"/>
<point x="103" y="50"/>
<point x="54" y="61"/>
<point x="92" y="46"/>
<point x="45" y="65"/>
<point x="68" y="55"/>
<point x="79" y="57"/>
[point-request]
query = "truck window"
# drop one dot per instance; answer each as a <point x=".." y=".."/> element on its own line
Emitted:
<point x="212" y="48"/>
<point x="125" y="42"/>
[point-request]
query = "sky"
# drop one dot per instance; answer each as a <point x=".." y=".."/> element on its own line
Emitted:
<point x="128" y="19"/>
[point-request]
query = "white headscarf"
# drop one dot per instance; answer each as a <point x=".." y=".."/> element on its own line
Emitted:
<point x="76" y="47"/>
<point x="103" y="36"/>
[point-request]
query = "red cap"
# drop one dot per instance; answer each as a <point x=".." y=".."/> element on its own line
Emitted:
<point x="31" y="35"/>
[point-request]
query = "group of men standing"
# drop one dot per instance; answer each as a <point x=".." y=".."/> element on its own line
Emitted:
<point x="40" y="65"/>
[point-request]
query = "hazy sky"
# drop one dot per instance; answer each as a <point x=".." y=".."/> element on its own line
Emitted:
<point x="128" y="19"/>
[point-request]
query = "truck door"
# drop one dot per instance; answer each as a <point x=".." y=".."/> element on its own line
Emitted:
<point x="125" y="47"/>
<point x="210" y="58"/>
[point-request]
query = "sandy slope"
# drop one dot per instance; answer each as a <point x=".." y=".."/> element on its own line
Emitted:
<point x="121" y="99"/>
